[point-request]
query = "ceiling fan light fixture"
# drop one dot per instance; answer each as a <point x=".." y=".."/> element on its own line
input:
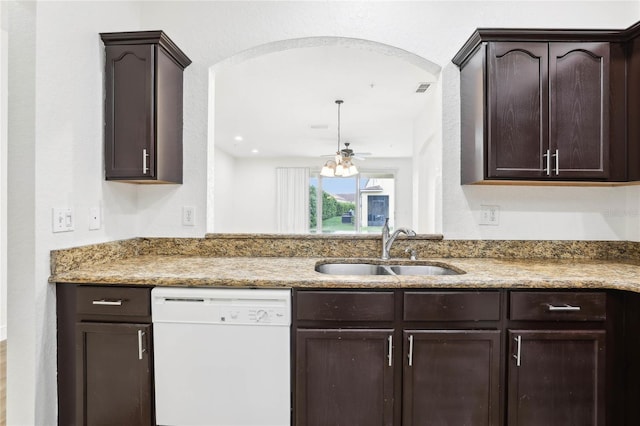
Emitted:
<point x="342" y="165"/>
<point x="329" y="169"/>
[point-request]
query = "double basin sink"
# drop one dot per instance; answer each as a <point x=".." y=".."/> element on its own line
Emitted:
<point x="387" y="268"/>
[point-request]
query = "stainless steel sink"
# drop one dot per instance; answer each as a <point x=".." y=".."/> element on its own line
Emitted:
<point x="339" y="268"/>
<point x="353" y="269"/>
<point x="422" y="270"/>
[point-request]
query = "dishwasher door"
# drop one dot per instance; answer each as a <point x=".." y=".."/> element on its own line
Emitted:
<point x="222" y="357"/>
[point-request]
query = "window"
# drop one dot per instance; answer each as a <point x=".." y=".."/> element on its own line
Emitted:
<point x="358" y="204"/>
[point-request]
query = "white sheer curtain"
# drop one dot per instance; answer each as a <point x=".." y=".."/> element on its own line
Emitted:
<point x="292" y="202"/>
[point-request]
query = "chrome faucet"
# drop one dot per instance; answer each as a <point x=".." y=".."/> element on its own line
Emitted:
<point x="387" y="240"/>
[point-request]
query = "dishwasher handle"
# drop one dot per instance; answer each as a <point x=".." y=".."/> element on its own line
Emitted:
<point x="183" y="299"/>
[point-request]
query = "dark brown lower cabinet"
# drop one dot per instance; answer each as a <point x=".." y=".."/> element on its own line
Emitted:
<point x="397" y="358"/>
<point x="556" y="378"/>
<point x="105" y="355"/>
<point x="114" y="378"/>
<point x="451" y="377"/>
<point x="344" y="377"/>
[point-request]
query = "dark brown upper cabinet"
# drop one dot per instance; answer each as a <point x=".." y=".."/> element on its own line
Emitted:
<point x="143" y="107"/>
<point x="538" y="105"/>
<point x="547" y="107"/>
<point x="633" y="102"/>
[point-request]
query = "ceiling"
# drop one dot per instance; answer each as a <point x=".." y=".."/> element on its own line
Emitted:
<point x="283" y="103"/>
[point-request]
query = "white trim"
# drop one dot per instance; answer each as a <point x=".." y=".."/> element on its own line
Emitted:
<point x="4" y="47"/>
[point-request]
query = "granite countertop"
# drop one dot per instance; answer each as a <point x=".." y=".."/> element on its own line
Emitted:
<point x="299" y="272"/>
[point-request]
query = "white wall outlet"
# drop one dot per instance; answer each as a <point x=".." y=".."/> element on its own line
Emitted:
<point x="95" y="218"/>
<point x="489" y="215"/>
<point x="63" y="219"/>
<point x="188" y="216"/>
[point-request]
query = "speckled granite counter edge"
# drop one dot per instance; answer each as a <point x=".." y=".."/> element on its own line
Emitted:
<point x="73" y="258"/>
<point x="245" y="236"/>
<point x="268" y="245"/>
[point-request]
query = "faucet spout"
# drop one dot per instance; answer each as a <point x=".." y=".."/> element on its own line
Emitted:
<point x="388" y="240"/>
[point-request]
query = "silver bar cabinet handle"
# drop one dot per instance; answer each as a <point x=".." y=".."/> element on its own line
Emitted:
<point x="140" y="348"/>
<point x="145" y="155"/>
<point x="563" y="308"/>
<point x="410" y="355"/>
<point x="390" y="354"/>
<point x="557" y="155"/>
<point x="518" y="341"/>
<point x="104" y="302"/>
<point x="547" y="156"/>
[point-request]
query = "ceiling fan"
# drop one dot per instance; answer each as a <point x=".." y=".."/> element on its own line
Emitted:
<point x="347" y="152"/>
<point x="341" y="165"/>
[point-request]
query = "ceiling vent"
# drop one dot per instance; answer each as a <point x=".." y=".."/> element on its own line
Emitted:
<point x="422" y="87"/>
<point x="319" y="126"/>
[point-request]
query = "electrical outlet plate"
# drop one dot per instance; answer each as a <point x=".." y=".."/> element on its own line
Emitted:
<point x="63" y="219"/>
<point x="95" y="218"/>
<point x="490" y="215"/>
<point x="188" y="216"/>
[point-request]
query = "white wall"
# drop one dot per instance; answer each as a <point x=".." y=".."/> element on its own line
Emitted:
<point x="427" y="164"/>
<point x="245" y="199"/>
<point x="210" y="32"/>
<point x="630" y="213"/>
<point x="526" y="212"/>
<point x="4" y="50"/>
<point x="22" y="371"/>
<point x="224" y="192"/>
<point x="159" y="207"/>
<point x="55" y="151"/>
<point x="55" y="134"/>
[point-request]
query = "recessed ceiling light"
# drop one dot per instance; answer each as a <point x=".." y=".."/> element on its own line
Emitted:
<point x="254" y="151"/>
<point x="238" y="138"/>
<point x="319" y="126"/>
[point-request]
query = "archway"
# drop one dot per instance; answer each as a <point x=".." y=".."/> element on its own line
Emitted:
<point x="378" y="83"/>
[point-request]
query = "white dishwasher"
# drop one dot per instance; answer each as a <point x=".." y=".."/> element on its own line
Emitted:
<point x="222" y="356"/>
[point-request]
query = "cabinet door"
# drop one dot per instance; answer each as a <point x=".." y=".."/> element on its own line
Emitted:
<point x="451" y="378"/>
<point x="129" y="114"/>
<point x="556" y="378"/>
<point x="344" y="377"/>
<point x="579" y="126"/>
<point x="518" y="103"/>
<point x="114" y="385"/>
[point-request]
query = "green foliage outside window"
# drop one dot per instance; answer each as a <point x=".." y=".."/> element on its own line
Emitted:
<point x="312" y="207"/>
<point x="330" y="207"/>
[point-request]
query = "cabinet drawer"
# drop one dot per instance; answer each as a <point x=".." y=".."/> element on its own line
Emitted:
<point x="113" y="301"/>
<point x="557" y="306"/>
<point x="451" y="306"/>
<point x="345" y="306"/>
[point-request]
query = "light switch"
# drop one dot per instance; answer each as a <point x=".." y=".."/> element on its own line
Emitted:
<point x="62" y="219"/>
